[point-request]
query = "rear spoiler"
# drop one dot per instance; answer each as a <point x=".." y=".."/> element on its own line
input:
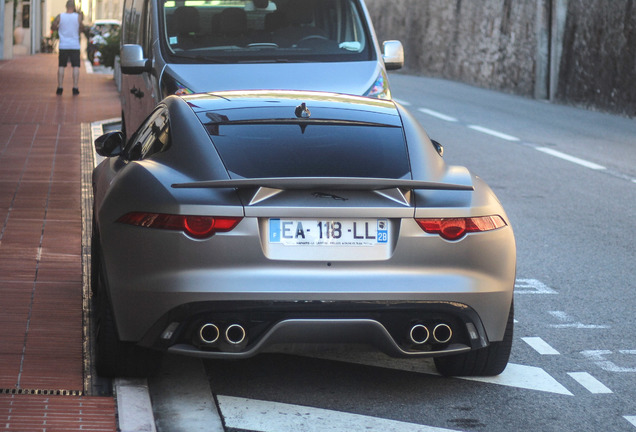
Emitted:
<point x="333" y="183"/>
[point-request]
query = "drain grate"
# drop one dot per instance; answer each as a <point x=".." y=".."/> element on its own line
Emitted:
<point x="44" y="392"/>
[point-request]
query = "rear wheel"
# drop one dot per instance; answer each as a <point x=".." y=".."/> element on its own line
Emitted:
<point x="488" y="361"/>
<point x="114" y="358"/>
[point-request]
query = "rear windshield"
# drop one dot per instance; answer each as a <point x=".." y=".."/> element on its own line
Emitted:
<point x="329" y="149"/>
<point x="232" y="31"/>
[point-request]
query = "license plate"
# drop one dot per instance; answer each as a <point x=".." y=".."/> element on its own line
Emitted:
<point x="329" y="232"/>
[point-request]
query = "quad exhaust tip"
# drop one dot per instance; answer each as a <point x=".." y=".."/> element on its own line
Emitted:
<point x="209" y="333"/>
<point x="235" y="334"/>
<point x="419" y="334"/>
<point x="442" y="333"/>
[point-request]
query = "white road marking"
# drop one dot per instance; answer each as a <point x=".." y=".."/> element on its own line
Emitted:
<point x="589" y="382"/>
<point x="540" y="346"/>
<point x="560" y="315"/>
<point x="437" y="114"/>
<point x="631" y="419"/>
<point x="525" y="377"/>
<point x="532" y="286"/>
<point x="515" y="375"/>
<point x="494" y="133"/>
<point x="598" y="357"/>
<point x="265" y="416"/>
<point x="507" y="137"/>
<point x="578" y="325"/>
<point x="569" y="158"/>
<point x="402" y="102"/>
<point x="568" y="322"/>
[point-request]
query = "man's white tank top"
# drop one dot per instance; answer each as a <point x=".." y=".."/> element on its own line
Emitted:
<point x="69" y="31"/>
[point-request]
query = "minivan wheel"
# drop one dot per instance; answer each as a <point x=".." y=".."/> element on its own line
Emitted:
<point x="488" y="361"/>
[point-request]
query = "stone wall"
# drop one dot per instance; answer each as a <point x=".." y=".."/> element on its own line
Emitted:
<point x="598" y="66"/>
<point x="575" y="51"/>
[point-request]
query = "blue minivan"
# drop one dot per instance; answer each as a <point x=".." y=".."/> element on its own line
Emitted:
<point x="195" y="46"/>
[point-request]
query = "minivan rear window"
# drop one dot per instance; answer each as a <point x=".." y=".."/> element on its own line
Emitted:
<point x="234" y="31"/>
<point x="322" y="149"/>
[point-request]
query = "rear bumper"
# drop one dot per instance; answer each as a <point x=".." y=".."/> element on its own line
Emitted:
<point x="149" y="281"/>
<point x="385" y="326"/>
<point x="138" y="310"/>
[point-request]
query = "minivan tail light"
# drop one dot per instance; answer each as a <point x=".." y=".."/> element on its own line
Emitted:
<point x="198" y="227"/>
<point x="456" y="228"/>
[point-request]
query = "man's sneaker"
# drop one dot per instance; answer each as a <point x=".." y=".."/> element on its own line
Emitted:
<point x="59" y="91"/>
<point x="75" y="91"/>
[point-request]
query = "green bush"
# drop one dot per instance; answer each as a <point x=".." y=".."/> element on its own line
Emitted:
<point x="110" y="49"/>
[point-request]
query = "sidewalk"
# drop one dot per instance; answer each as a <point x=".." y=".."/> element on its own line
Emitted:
<point x="44" y="379"/>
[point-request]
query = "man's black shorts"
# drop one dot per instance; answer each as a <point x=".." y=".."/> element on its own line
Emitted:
<point x="66" y="55"/>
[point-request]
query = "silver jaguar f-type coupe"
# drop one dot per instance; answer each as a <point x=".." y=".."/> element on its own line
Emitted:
<point x="235" y="223"/>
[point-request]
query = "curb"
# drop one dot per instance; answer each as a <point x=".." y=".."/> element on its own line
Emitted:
<point x="134" y="408"/>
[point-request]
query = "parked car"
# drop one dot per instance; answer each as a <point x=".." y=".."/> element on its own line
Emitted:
<point x="98" y="34"/>
<point x="193" y="47"/>
<point x="232" y="222"/>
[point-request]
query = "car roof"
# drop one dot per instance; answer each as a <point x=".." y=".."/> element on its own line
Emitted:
<point x="107" y="21"/>
<point x="261" y="104"/>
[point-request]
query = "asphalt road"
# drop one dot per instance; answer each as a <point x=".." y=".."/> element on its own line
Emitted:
<point x="567" y="178"/>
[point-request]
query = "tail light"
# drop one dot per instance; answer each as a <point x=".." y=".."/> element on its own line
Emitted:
<point x="456" y="228"/>
<point x="198" y="227"/>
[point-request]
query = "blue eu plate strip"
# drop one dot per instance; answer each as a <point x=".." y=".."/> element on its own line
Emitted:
<point x="274" y="230"/>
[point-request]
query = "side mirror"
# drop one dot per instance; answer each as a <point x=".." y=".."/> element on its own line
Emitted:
<point x="132" y="61"/>
<point x="393" y="54"/>
<point x="438" y="147"/>
<point x="110" y="144"/>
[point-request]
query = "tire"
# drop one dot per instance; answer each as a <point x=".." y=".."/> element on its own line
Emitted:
<point x="123" y="125"/>
<point x="488" y="361"/>
<point x="114" y="358"/>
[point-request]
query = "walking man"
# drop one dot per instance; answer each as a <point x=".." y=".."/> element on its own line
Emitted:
<point x="69" y="26"/>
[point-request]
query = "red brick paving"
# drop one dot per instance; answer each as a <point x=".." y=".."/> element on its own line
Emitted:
<point x="56" y="413"/>
<point x="41" y="357"/>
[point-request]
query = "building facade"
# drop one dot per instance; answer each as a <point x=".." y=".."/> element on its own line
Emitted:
<point x="26" y="24"/>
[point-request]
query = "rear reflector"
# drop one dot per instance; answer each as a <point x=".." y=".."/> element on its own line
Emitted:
<point x="456" y="228"/>
<point x="198" y="227"/>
